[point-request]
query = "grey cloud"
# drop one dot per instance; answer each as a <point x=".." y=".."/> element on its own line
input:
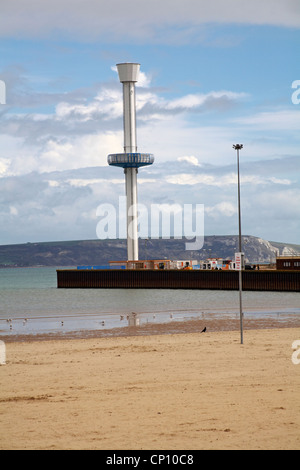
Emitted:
<point x="284" y="167"/>
<point x="92" y="110"/>
<point x="21" y="189"/>
<point x="31" y="208"/>
<point x="50" y="206"/>
<point x="39" y="131"/>
<point x="113" y="20"/>
<point x="22" y="94"/>
<point x="35" y="127"/>
<point x="156" y="110"/>
<point x="35" y="187"/>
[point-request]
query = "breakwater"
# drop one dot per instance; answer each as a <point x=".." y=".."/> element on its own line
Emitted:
<point x="172" y="279"/>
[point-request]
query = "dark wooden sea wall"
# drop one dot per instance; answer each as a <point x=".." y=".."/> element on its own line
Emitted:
<point x="148" y="279"/>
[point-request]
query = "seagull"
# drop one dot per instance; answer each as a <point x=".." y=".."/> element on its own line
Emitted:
<point x="204" y="330"/>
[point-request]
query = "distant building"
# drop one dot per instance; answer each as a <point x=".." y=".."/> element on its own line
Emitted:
<point x="142" y="264"/>
<point x="288" y="263"/>
<point x="155" y="264"/>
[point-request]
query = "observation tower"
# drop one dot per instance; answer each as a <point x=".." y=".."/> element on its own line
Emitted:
<point x="130" y="160"/>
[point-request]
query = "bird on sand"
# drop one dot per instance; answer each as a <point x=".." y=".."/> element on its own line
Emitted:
<point x="204" y="330"/>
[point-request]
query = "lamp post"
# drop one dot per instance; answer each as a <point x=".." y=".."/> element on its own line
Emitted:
<point x="239" y="147"/>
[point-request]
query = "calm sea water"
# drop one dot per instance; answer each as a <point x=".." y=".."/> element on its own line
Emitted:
<point x="30" y="303"/>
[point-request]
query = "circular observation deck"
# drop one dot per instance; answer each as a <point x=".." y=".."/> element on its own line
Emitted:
<point x="130" y="160"/>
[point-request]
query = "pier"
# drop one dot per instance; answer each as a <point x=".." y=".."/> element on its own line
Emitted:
<point x="273" y="280"/>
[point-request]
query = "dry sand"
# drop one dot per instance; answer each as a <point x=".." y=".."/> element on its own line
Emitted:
<point x="155" y="392"/>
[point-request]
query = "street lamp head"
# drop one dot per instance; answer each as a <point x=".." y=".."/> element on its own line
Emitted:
<point x="238" y="146"/>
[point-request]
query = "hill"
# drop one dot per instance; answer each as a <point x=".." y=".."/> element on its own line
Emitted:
<point x="100" y="252"/>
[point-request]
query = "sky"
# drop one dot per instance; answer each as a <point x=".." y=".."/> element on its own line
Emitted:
<point x="213" y="74"/>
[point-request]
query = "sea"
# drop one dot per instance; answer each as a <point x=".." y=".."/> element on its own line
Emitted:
<point x="31" y="304"/>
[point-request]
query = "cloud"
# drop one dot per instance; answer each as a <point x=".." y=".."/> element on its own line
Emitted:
<point x="153" y="21"/>
<point x="226" y="209"/>
<point x="54" y="170"/>
<point x="61" y="153"/>
<point x="211" y="100"/>
<point x="283" y="205"/>
<point x="81" y="128"/>
<point x="22" y="90"/>
<point x="226" y="180"/>
<point x="35" y="210"/>
<point x="192" y="160"/>
<point x="151" y="106"/>
<point x="61" y="205"/>
<point x="283" y="120"/>
<point x="106" y="105"/>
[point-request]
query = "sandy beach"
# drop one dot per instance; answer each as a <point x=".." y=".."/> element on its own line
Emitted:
<point x="154" y="391"/>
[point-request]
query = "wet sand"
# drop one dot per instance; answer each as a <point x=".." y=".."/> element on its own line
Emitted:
<point x="153" y="391"/>
<point x="213" y="323"/>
